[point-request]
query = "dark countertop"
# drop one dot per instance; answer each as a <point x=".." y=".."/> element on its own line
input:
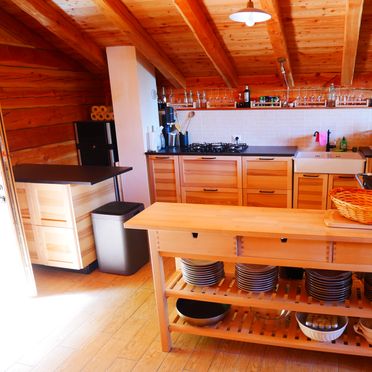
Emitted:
<point x="366" y="151"/>
<point x="250" y="151"/>
<point x="66" y="174"/>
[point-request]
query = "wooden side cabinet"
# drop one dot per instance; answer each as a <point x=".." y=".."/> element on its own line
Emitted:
<point x="164" y="182"/>
<point x="211" y="179"/>
<point x="267" y="182"/>
<point x="369" y="165"/>
<point x="310" y="191"/>
<point x="57" y="221"/>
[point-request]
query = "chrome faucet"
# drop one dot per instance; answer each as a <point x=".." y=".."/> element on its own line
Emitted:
<point x="328" y="145"/>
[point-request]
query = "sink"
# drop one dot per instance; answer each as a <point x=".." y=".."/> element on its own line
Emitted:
<point x="329" y="162"/>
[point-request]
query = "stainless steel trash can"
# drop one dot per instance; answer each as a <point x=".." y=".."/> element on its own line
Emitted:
<point x="119" y="250"/>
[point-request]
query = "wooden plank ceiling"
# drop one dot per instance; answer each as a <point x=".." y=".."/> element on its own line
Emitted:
<point x="192" y="41"/>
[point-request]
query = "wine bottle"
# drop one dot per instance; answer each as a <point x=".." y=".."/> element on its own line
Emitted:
<point x="247" y="96"/>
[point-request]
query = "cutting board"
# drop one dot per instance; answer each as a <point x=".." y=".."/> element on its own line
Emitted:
<point x="332" y="218"/>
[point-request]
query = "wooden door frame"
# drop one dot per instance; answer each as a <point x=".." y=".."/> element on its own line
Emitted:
<point x="14" y="212"/>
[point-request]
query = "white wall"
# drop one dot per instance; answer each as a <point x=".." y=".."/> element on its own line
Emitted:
<point x="132" y="81"/>
<point x="281" y="127"/>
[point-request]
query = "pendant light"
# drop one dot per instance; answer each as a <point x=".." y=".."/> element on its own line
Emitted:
<point x="250" y="15"/>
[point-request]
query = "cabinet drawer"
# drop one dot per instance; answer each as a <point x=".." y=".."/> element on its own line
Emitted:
<point x="196" y="243"/>
<point x="267" y="173"/>
<point x="24" y="201"/>
<point x="283" y="248"/>
<point x="211" y="171"/>
<point x="59" y="246"/>
<point x="208" y="195"/>
<point x="352" y="253"/>
<point x="52" y="205"/>
<point x="267" y="198"/>
<point x="339" y="180"/>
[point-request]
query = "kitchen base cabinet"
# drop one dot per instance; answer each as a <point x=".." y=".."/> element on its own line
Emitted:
<point x="290" y="236"/>
<point x="57" y="221"/>
<point x="267" y="182"/>
<point x="369" y="165"/>
<point x="164" y="180"/>
<point x="311" y="191"/>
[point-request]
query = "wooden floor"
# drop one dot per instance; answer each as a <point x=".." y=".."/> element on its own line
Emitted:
<point x="104" y="322"/>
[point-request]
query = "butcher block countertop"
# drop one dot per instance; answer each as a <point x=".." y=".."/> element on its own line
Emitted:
<point x="66" y="174"/>
<point x="245" y="221"/>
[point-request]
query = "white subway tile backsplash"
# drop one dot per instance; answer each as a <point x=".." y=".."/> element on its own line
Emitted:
<point x="280" y="127"/>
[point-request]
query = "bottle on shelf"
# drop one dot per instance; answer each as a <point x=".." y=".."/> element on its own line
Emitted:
<point x="331" y="96"/>
<point x="198" y="101"/>
<point x="191" y="100"/>
<point x="204" y="100"/>
<point x="185" y="99"/>
<point x="247" y="96"/>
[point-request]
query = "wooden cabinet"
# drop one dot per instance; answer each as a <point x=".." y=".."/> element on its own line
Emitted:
<point x="57" y="221"/>
<point x="164" y="181"/>
<point x="211" y="179"/>
<point x="257" y="236"/>
<point x="339" y="180"/>
<point x="310" y="191"/>
<point x="267" y="181"/>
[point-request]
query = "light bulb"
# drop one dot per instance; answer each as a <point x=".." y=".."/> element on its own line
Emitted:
<point x="250" y="23"/>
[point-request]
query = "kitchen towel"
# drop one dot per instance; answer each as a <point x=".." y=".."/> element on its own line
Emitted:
<point x="322" y="138"/>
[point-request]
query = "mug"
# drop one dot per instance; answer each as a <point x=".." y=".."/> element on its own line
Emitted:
<point x="363" y="330"/>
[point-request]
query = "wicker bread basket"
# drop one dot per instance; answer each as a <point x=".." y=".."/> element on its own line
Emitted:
<point x="353" y="203"/>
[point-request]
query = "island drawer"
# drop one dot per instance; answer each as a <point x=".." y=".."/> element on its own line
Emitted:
<point x="352" y="253"/>
<point x="184" y="242"/>
<point x="285" y="248"/>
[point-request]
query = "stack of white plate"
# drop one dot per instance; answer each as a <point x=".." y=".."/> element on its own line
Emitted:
<point x="328" y="285"/>
<point x="256" y="278"/>
<point x="368" y="286"/>
<point x="202" y="273"/>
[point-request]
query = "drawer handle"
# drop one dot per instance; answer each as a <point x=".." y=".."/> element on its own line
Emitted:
<point x="266" y="191"/>
<point x="311" y="175"/>
<point x="283" y="240"/>
<point x="210" y="190"/>
<point x="195" y="235"/>
<point x="208" y="157"/>
<point x="347" y="177"/>
<point x="266" y="158"/>
<point x="161" y="157"/>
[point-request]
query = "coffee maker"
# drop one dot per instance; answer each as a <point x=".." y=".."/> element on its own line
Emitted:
<point x="170" y="132"/>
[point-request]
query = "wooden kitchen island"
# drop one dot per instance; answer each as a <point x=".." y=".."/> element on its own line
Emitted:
<point x="55" y="203"/>
<point x="283" y="237"/>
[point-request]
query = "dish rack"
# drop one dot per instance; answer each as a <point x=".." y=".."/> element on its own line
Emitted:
<point x="353" y="203"/>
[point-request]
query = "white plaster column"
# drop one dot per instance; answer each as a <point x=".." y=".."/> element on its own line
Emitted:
<point x="132" y="81"/>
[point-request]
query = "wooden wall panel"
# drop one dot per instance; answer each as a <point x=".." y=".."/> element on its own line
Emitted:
<point x="40" y="104"/>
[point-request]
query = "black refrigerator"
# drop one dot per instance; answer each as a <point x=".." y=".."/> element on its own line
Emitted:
<point x="96" y="142"/>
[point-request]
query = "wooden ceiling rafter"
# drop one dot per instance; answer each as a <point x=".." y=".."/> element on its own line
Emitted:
<point x="195" y="17"/>
<point x="59" y="24"/>
<point x="120" y="15"/>
<point x="353" y="19"/>
<point x="275" y="28"/>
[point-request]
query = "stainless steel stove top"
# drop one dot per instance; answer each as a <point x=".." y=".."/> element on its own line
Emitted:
<point x="217" y="147"/>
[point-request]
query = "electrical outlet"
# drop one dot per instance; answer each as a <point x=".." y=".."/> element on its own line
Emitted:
<point x="236" y="138"/>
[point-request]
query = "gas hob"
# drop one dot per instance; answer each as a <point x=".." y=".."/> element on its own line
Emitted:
<point x="216" y="147"/>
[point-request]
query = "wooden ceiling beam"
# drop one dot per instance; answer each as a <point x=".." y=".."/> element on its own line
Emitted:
<point x="120" y="15"/>
<point x="194" y="15"/>
<point x="276" y="32"/>
<point x="353" y="19"/>
<point x="58" y="23"/>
